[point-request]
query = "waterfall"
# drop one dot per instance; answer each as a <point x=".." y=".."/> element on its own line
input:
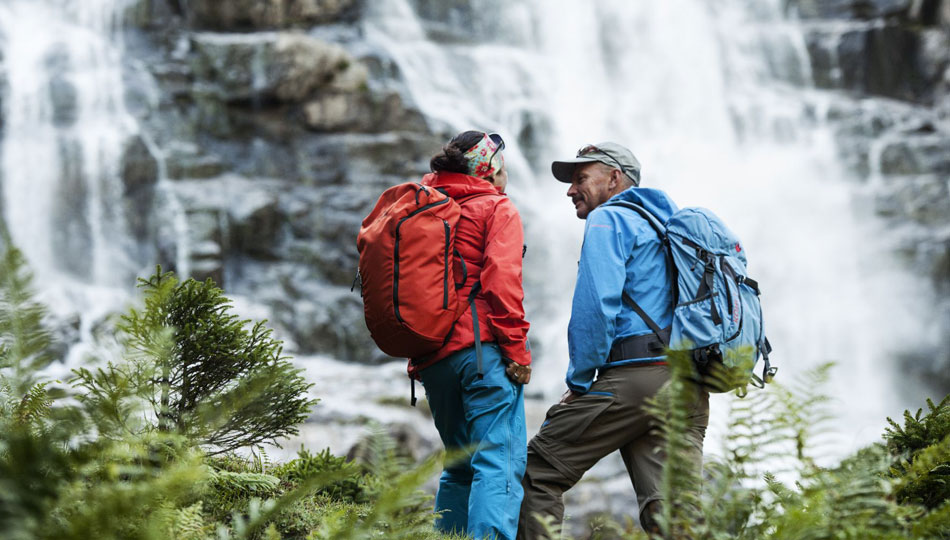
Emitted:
<point x="65" y="127"/>
<point x="66" y="136"/>
<point x="715" y="100"/>
<point x="713" y="96"/>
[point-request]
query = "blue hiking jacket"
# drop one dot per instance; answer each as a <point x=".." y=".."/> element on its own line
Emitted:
<point x="621" y="252"/>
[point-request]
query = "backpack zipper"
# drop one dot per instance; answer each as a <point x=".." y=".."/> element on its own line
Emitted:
<point x="396" y="255"/>
<point x="445" y="276"/>
<point x="737" y="279"/>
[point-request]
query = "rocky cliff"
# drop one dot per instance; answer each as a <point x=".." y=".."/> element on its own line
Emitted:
<point x="277" y="128"/>
<point x="887" y="64"/>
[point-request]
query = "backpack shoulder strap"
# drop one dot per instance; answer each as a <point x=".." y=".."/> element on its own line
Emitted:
<point x="674" y="275"/>
<point x="645" y="214"/>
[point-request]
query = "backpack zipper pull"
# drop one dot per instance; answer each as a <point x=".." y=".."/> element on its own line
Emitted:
<point x="357" y="279"/>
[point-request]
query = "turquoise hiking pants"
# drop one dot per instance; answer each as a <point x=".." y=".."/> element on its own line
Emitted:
<point x="483" y="417"/>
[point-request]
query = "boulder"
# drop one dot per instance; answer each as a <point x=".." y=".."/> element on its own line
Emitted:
<point x="148" y="14"/>
<point x="406" y="440"/>
<point x="364" y="111"/>
<point x="303" y="63"/>
<point x="271" y="66"/>
<point x="235" y="15"/>
<point x="858" y="124"/>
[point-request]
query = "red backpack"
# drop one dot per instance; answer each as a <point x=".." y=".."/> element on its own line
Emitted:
<point x="406" y="270"/>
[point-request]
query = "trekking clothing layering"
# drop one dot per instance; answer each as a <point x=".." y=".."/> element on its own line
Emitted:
<point x="489" y="238"/>
<point x="622" y="259"/>
<point x="621" y="254"/>
<point x="477" y="409"/>
<point x="484" y="417"/>
<point x="578" y="434"/>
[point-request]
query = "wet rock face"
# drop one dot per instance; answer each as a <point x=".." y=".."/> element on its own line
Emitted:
<point x="278" y="132"/>
<point x="273" y="66"/>
<point x="890" y="61"/>
<point x="847" y="9"/>
<point x="234" y="15"/>
<point x="917" y="155"/>
<point x="887" y="63"/>
<point x="890" y="48"/>
<point x="138" y="170"/>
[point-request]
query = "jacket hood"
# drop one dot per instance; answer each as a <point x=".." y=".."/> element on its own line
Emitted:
<point x="457" y="185"/>
<point x="655" y="201"/>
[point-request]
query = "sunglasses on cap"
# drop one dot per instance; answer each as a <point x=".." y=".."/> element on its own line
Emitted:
<point x="590" y="149"/>
<point x="499" y="145"/>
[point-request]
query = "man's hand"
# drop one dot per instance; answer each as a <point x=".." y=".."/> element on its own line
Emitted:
<point x="570" y="396"/>
<point x="518" y="373"/>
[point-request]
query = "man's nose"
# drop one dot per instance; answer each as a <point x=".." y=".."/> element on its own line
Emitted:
<point x="570" y="191"/>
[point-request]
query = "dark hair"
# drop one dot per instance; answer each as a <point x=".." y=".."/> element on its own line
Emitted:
<point x="452" y="158"/>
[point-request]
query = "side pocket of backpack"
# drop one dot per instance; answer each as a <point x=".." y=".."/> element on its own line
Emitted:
<point x="692" y="324"/>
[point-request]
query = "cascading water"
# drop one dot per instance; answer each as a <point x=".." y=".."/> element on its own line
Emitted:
<point x="65" y="128"/>
<point x="714" y="99"/>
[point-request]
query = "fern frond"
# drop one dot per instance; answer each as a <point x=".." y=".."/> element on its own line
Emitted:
<point x="25" y="342"/>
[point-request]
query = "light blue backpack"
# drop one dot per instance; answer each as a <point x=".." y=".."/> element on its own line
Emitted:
<point x="717" y="316"/>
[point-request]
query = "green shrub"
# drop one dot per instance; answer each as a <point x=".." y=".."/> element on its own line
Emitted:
<point x="350" y="486"/>
<point x="921" y="449"/>
<point x="199" y="371"/>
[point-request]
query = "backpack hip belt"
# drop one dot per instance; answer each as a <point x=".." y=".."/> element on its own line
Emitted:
<point x="637" y="347"/>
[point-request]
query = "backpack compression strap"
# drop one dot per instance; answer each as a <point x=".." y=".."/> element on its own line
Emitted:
<point x="475" y="328"/>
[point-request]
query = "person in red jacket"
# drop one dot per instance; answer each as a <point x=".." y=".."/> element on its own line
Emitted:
<point x="473" y="384"/>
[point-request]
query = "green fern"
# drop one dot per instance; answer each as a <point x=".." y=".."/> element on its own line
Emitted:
<point x="25" y="343"/>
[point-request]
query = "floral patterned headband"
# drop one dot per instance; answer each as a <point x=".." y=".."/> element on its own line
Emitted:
<point x="481" y="157"/>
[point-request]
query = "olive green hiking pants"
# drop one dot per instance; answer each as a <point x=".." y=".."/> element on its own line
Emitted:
<point x="576" y="435"/>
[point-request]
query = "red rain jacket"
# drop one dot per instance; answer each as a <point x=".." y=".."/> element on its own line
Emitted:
<point x="490" y="239"/>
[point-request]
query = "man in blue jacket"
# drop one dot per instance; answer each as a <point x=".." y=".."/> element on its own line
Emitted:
<point x="616" y="360"/>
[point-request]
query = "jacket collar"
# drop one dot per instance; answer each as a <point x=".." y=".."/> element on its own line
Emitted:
<point x="459" y="185"/>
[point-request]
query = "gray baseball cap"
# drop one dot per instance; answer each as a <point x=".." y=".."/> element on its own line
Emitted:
<point x="608" y="153"/>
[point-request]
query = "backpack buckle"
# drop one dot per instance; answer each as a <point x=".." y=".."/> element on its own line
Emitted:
<point x="769" y="374"/>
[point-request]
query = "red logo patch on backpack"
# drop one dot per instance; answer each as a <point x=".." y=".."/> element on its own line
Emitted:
<point x="406" y="269"/>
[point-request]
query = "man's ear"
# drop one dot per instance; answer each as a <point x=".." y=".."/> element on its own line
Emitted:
<point x="615" y="179"/>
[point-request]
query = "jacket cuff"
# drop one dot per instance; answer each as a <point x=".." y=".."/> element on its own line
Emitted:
<point x="516" y="353"/>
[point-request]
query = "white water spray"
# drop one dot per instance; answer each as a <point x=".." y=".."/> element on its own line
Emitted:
<point x="65" y="126"/>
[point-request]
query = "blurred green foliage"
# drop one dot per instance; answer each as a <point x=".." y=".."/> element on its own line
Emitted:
<point x="145" y="446"/>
